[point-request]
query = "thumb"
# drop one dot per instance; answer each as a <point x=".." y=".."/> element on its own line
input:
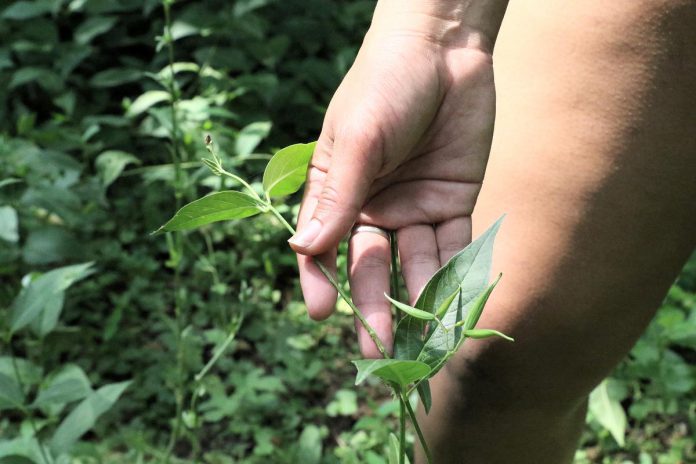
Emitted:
<point x="338" y="194"/>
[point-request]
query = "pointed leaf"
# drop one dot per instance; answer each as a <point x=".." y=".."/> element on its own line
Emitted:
<point x="34" y="298"/>
<point x="485" y="333"/>
<point x="392" y="370"/>
<point x="221" y="206"/>
<point x="410" y="310"/>
<point x="250" y="137"/>
<point x="84" y="416"/>
<point x="465" y="275"/>
<point x="424" y="395"/>
<point x="474" y="315"/>
<point x="287" y="170"/>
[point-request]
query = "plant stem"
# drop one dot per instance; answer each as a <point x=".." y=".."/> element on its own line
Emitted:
<point x="402" y="429"/>
<point x="219" y="352"/>
<point x="414" y="421"/>
<point x="344" y="295"/>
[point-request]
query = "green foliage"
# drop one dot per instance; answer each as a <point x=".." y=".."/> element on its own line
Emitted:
<point x="85" y="79"/>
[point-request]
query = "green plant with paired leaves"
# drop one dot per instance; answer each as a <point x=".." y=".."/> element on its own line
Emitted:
<point x="428" y="334"/>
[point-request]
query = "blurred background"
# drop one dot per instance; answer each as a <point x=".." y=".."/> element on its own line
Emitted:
<point x="122" y="347"/>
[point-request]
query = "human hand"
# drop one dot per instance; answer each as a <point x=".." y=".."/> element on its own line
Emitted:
<point x="404" y="147"/>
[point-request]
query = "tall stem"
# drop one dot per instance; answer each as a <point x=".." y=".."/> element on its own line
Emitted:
<point x="344" y="295"/>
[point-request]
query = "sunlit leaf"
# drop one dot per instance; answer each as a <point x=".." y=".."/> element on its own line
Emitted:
<point x="396" y="371"/>
<point x="250" y="136"/>
<point x="608" y="412"/>
<point x="220" y="206"/>
<point x="287" y="170"/>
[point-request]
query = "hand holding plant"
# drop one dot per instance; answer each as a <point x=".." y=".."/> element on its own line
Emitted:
<point x="427" y="335"/>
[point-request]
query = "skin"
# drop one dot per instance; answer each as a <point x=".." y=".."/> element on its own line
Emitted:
<point x="593" y="160"/>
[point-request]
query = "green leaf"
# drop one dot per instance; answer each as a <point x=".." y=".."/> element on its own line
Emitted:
<point x="115" y="77"/>
<point x="69" y="384"/>
<point x="287" y="170"/>
<point x="92" y="27"/>
<point x="146" y="101"/>
<point x="410" y="310"/>
<point x="11" y="397"/>
<point x="424" y="395"/>
<point x="8" y="224"/>
<point x="27" y="10"/>
<point x="47" y="320"/>
<point x="474" y="315"/>
<point x="30" y="373"/>
<point x="465" y="276"/>
<point x="392" y="370"/>
<point x="220" y="206"/>
<point x="110" y="165"/>
<point x="608" y="412"/>
<point x="394" y="451"/>
<point x="84" y="416"/>
<point x="485" y="333"/>
<point x="33" y="299"/>
<point x="250" y="137"/>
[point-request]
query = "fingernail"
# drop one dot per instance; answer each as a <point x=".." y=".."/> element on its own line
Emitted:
<point x="306" y="236"/>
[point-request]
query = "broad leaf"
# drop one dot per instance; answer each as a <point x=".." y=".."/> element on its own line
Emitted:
<point x="287" y="170"/>
<point x="220" y="206"/>
<point x="465" y="276"/>
<point x="11" y="396"/>
<point x="34" y="299"/>
<point x="84" y="416"/>
<point x="47" y="320"/>
<point x="67" y="385"/>
<point x="396" y="371"/>
<point x="608" y="412"/>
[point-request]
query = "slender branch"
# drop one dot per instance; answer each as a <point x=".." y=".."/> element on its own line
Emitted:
<point x="344" y="295"/>
<point x="414" y="421"/>
<point x="219" y="352"/>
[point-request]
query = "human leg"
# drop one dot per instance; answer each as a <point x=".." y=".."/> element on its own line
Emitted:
<point x="594" y="161"/>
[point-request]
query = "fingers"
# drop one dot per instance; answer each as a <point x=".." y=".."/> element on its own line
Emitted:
<point x="319" y="294"/>
<point x="368" y="271"/>
<point x="452" y="236"/>
<point x="419" y="257"/>
<point x="354" y="163"/>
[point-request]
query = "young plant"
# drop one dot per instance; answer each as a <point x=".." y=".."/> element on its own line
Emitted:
<point x="428" y="334"/>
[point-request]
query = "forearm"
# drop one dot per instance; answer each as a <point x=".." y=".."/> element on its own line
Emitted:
<point x="467" y="23"/>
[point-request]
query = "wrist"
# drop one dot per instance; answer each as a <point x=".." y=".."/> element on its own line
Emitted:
<point x="450" y="23"/>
